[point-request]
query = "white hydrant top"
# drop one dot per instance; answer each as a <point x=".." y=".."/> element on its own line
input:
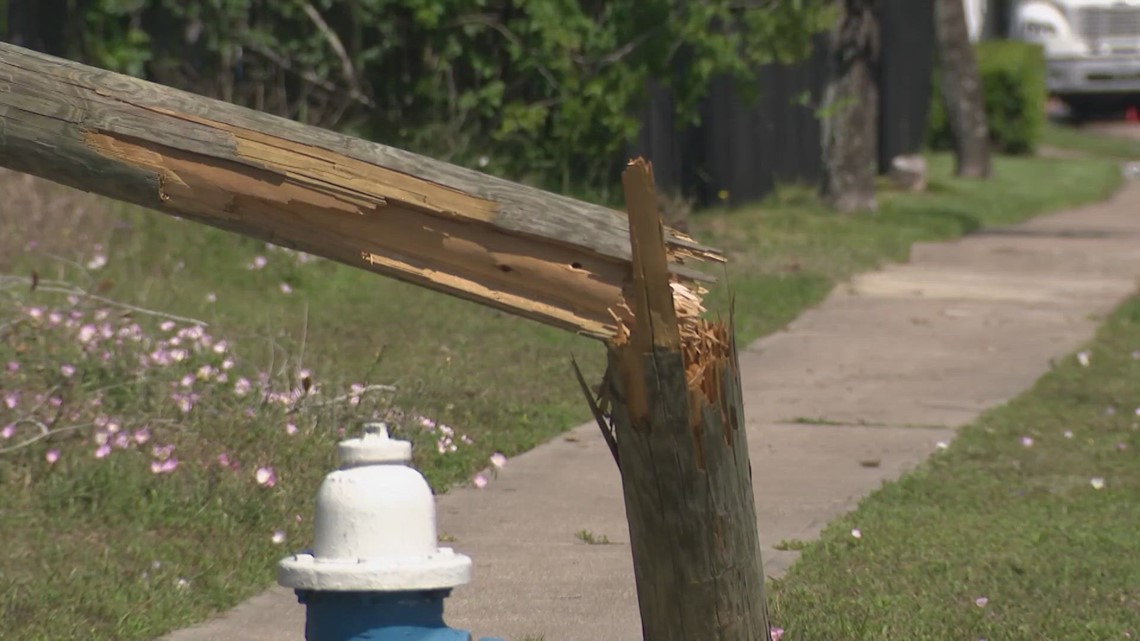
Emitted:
<point x="375" y="526"/>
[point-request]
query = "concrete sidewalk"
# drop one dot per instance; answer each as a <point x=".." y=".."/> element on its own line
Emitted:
<point x="883" y="370"/>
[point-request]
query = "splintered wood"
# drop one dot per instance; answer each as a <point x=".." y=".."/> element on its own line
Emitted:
<point x="675" y="424"/>
<point x="530" y="253"/>
<point x="672" y="412"/>
<point x="663" y="309"/>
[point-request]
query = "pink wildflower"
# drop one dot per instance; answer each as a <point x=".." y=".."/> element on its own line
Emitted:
<point x="11" y="400"/>
<point x="1027" y="441"/>
<point x="164" y="467"/>
<point x="265" y="477"/>
<point x="981" y="601"/>
<point x="103" y="451"/>
<point x="13" y="366"/>
<point x="67" y="370"/>
<point x="242" y="386"/>
<point x="122" y="440"/>
<point x="777" y="633"/>
<point x="278" y="537"/>
<point x="142" y="435"/>
<point x="8" y="431"/>
<point x="290" y="429"/>
<point x="224" y="459"/>
<point x="480" y="481"/>
<point x="498" y="460"/>
<point x="286" y="288"/>
<point x="258" y="262"/>
<point x="86" y="333"/>
<point x="166" y="326"/>
<point x="52" y="456"/>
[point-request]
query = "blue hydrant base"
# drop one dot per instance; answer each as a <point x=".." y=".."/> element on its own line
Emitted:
<point x="378" y="616"/>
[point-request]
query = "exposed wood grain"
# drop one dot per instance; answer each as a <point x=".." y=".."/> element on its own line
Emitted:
<point x="532" y="253"/>
<point x="677" y="416"/>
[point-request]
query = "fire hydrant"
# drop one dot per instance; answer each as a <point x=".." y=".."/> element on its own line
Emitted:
<point x="375" y="572"/>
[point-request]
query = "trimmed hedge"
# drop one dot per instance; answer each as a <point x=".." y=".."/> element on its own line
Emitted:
<point x="1013" y="81"/>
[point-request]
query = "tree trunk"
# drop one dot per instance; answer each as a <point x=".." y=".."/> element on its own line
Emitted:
<point x="535" y="254"/>
<point x="677" y="417"/>
<point x="962" y="91"/>
<point x="850" y="117"/>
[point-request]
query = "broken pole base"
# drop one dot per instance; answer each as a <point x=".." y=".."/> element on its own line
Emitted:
<point x="676" y="412"/>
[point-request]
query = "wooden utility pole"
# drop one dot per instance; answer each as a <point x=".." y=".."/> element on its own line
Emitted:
<point x="962" y="90"/>
<point x="670" y="405"/>
<point x="672" y="392"/>
<point x="532" y="253"/>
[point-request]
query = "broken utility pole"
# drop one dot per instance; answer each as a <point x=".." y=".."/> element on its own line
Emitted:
<point x="672" y="393"/>
<point x="670" y="404"/>
<point x="529" y="252"/>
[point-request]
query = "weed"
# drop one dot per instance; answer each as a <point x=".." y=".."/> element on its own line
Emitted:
<point x="589" y="538"/>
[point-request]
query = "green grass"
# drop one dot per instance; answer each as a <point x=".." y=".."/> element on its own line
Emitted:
<point x="788" y="255"/>
<point x="1102" y="145"/>
<point x="102" y="548"/>
<point x="1022" y="527"/>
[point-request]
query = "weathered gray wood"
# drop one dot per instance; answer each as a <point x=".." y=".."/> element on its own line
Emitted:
<point x="677" y="414"/>
<point x="523" y="250"/>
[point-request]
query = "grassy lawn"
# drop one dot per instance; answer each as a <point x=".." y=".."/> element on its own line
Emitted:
<point x="1094" y="143"/>
<point x="170" y="395"/>
<point x="1026" y="527"/>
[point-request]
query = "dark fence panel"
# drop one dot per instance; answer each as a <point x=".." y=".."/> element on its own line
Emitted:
<point x="904" y="77"/>
<point x="745" y="146"/>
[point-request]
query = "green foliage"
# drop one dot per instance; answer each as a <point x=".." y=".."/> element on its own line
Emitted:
<point x="1013" y="84"/>
<point x="542" y="90"/>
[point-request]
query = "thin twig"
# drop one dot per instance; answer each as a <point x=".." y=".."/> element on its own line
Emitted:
<point x="494" y="23"/>
<point x="341" y="399"/>
<point x="62" y="287"/>
<point x="304" y="337"/>
<point x="45" y="432"/>
<point x="347" y="68"/>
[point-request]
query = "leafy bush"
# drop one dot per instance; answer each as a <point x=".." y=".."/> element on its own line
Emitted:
<point x="1013" y="84"/>
<point x="546" y="90"/>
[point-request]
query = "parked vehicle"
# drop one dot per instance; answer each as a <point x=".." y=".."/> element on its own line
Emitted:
<point x="1092" y="48"/>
